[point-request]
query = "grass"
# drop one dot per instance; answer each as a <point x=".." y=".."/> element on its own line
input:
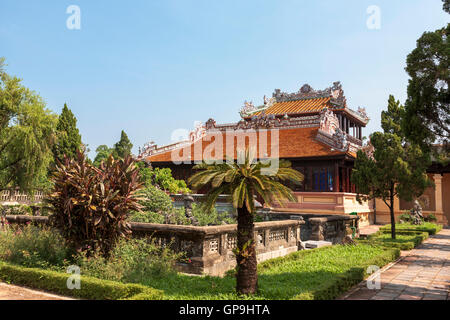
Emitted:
<point x="323" y="273"/>
<point x="429" y="227"/>
<point x="405" y="240"/>
<point x="314" y="274"/>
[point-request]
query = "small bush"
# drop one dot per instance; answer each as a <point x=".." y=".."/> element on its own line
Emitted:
<point x="405" y="240"/>
<point x="90" y="205"/>
<point x="211" y="217"/>
<point x="157" y="207"/>
<point x="430" y="218"/>
<point x="430" y="228"/>
<point x="32" y="246"/>
<point x="15" y="210"/>
<point x="131" y="261"/>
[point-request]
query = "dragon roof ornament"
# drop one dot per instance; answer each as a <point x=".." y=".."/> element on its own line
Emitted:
<point x="334" y="92"/>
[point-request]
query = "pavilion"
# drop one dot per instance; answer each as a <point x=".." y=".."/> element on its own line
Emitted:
<point x="314" y="129"/>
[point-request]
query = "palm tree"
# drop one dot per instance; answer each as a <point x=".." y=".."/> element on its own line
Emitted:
<point x="243" y="181"/>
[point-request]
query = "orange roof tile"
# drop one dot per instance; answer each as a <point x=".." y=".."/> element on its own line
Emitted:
<point x="292" y="143"/>
<point x="296" y="106"/>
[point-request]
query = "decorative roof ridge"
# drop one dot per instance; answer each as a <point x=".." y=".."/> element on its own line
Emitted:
<point x="306" y="92"/>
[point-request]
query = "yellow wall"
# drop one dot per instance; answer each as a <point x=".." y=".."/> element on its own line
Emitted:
<point x="439" y="198"/>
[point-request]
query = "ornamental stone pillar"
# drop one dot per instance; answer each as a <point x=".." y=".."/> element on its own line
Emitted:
<point x="438" y="192"/>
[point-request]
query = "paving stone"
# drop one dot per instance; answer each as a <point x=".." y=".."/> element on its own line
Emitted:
<point x="423" y="273"/>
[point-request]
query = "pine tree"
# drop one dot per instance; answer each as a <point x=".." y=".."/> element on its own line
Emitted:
<point x="394" y="168"/>
<point x="123" y="147"/>
<point x="68" y="136"/>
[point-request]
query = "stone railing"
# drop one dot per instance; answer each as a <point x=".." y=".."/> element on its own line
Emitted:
<point x="16" y="196"/>
<point x="332" y="228"/>
<point x="209" y="250"/>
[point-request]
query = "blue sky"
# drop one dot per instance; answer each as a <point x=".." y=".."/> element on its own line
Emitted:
<point x="150" y="67"/>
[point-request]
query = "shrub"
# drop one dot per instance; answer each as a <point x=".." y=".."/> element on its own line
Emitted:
<point x="32" y="246"/>
<point x="430" y="218"/>
<point x="405" y="218"/>
<point x="130" y="261"/>
<point x="91" y="288"/>
<point x="15" y="210"/>
<point x="405" y="240"/>
<point x="154" y="199"/>
<point x="430" y="228"/>
<point x="163" y="179"/>
<point x="211" y="217"/>
<point x="90" y="205"/>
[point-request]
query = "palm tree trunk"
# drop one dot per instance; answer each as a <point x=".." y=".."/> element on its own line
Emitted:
<point x="247" y="276"/>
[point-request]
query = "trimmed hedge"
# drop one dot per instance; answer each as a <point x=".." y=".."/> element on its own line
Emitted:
<point x="347" y="280"/>
<point x="406" y="240"/>
<point x="430" y="228"/>
<point x="91" y="288"/>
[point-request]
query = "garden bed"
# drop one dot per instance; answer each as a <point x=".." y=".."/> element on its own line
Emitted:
<point x="430" y="228"/>
<point x="317" y="274"/>
<point x="405" y="240"/>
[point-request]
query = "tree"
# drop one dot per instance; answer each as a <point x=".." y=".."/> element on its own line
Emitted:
<point x="446" y="6"/>
<point x="124" y="146"/>
<point x="103" y="153"/>
<point x="390" y="166"/>
<point x="68" y="137"/>
<point x="162" y="177"/>
<point x="27" y="133"/>
<point x="243" y="181"/>
<point x="427" y="108"/>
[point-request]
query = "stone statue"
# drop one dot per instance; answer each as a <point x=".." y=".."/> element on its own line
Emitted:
<point x="188" y="200"/>
<point x="416" y="213"/>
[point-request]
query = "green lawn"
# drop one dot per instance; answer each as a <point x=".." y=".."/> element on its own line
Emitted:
<point x="314" y="274"/>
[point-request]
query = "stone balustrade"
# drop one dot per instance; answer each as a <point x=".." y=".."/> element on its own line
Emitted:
<point x="209" y="250"/>
<point x="332" y="228"/>
<point x="19" y="197"/>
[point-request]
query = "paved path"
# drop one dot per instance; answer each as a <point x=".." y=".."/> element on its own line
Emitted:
<point x="11" y="292"/>
<point x="420" y="274"/>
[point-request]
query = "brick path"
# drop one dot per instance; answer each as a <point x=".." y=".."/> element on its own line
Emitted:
<point x="11" y="292"/>
<point x="420" y="274"/>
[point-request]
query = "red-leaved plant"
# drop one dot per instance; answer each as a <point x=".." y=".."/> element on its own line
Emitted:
<point x="90" y="205"/>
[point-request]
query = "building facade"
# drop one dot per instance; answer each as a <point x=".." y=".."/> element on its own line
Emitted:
<point x="314" y="129"/>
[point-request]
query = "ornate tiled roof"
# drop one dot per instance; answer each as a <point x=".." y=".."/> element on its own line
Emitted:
<point x="296" y="107"/>
<point x="305" y="101"/>
<point x="292" y="143"/>
<point x="305" y="122"/>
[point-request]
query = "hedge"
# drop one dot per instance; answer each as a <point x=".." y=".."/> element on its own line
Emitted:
<point x="430" y="228"/>
<point x="347" y="280"/>
<point x="408" y="241"/>
<point x="90" y="288"/>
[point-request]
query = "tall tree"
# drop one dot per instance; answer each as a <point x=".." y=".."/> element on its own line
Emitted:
<point x="446" y="6"/>
<point x="27" y="132"/>
<point x="243" y="181"/>
<point x="68" y="136"/>
<point x="124" y="146"/>
<point x="390" y="166"/>
<point x="103" y="153"/>
<point x="427" y="117"/>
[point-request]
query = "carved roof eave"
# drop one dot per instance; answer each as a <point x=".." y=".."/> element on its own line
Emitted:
<point x="358" y="116"/>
